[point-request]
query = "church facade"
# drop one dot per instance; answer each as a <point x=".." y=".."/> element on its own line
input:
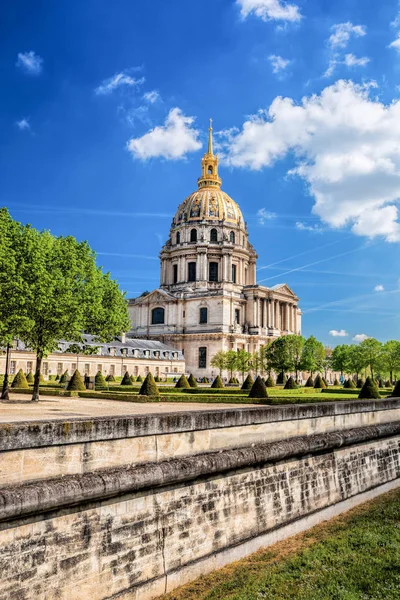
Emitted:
<point x="208" y="299"/>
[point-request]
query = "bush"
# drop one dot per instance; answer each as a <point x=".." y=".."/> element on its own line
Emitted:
<point x="217" y="383"/>
<point x="64" y="377"/>
<point x="360" y="382"/>
<point x="157" y="379"/>
<point x="381" y="384"/>
<point x="126" y="380"/>
<point x="248" y="383"/>
<point x="281" y="378"/>
<point x="30" y="378"/>
<point x="100" y="380"/>
<point x="336" y="383"/>
<point x="57" y="377"/>
<point x="41" y="378"/>
<point x="149" y="386"/>
<point x="192" y="382"/>
<point x="349" y="384"/>
<point x="325" y="382"/>
<point x="388" y="384"/>
<point x="182" y="382"/>
<point x="76" y="382"/>
<point x="20" y="381"/>
<point x="319" y="383"/>
<point x="258" y="389"/>
<point x="270" y="382"/>
<point x="290" y="384"/>
<point x="139" y="378"/>
<point x="309" y="382"/>
<point x="369" y="390"/>
<point x="396" y="391"/>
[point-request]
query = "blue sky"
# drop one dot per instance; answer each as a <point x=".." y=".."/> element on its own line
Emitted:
<point x="104" y="113"/>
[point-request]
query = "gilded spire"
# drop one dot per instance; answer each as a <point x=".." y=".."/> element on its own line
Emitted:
<point x="210" y="139"/>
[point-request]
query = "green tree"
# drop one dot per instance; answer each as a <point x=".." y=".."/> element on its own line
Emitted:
<point x="340" y="359"/>
<point x="372" y="353"/>
<point x="278" y="357"/>
<point x="390" y="358"/>
<point x="219" y="361"/>
<point x="295" y="346"/>
<point x="313" y="355"/>
<point x="356" y="360"/>
<point x="256" y="362"/>
<point x="231" y="361"/>
<point x="243" y="360"/>
<point x="67" y="295"/>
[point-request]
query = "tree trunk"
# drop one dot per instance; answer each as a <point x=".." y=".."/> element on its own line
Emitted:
<point x="391" y="376"/>
<point x="35" y="393"/>
<point x="4" y="393"/>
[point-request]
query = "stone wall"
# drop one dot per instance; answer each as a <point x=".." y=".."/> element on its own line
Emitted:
<point x="139" y="529"/>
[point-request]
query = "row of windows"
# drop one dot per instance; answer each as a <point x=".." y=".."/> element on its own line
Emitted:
<point x="213" y="236"/>
<point x="158" y="316"/>
<point x="61" y="367"/>
<point x="212" y="272"/>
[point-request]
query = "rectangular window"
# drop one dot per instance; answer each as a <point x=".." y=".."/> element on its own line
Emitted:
<point x="237" y="316"/>
<point x="100" y="368"/>
<point x="203" y="315"/>
<point x="157" y="371"/>
<point x="175" y="273"/>
<point x="213" y="271"/>
<point x="29" y="366"/>
<point x="192" y="271"/>
<point x="233" y="273"/>
<point x="202" y="358"/>
<point x="13" y="366"/>
<point x="73" y="367"/>
<point x="87" y="369"/>
<point x="59" y="368"/>
<point x="136" y="371"/>
<point x="112" y="369"/>
<point x="45" y="368"/>
<point x="146" y="370"/>
<point x="175" y="369"/>
<point x="124" y="369"/>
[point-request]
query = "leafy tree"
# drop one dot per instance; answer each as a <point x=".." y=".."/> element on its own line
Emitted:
<point x="219" y="361"/>
<point x="149" y="386"/>
<point x="356" y="362"/>
<point x="340" y="359"/>
<point x="369" y="389"/>
<point x="278" y="356"/>
<point x="243" y="360"/>
<point x="256" y="361"/>
<point x="192" y="381"/>
<point x="182" y="382"/>
<point x="217" y="383"/>
<point x="313" y="355"/>
<point x="295" y="345"/>
<point x="20" y="381"/>
<point x="248" y="383"/>
<point x="76" y="382"/>
<point x="390" y="357"/>
<point x="372" y="352"/>
<point x="231" y="362"/>
<point x="258" y="389"/>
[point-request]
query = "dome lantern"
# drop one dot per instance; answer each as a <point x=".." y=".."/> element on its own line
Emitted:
<point x="209" y="165"/>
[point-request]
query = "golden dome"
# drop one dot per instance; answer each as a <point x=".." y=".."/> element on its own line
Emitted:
<point x="209" y="203"/>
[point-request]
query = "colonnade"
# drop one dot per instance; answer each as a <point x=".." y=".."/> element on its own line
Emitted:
<point x="275" y="314"/>
<point x="245" y="271"/>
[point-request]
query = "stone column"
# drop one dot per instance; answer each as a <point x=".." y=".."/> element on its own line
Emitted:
<point x="229" y="257"/>
<point x="295" y="318"/>
<point x="277" y="315"/>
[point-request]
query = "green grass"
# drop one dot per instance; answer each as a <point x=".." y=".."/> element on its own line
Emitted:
<point x="353" y="557"/>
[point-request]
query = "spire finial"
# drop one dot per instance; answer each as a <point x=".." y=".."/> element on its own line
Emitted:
<point x="210" y="140"/>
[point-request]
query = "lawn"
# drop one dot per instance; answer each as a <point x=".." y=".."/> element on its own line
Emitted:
<point x="355" y="556"/>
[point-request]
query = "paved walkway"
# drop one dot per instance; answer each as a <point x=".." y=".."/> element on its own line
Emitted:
<point x="19" y="408"/>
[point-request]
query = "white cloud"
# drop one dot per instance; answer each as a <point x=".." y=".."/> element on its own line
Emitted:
<point x="360" y="337"/>
<point x="304" y="227"/>
<point x="264" y="215"/>
<point x="23" y="124"/>
<point x="172" y="141"/>
<point x="340" y="333"/>
<point x="379" y="288"/>
<point x="396" y="44"/>
<point x="270" y="10"/>
<point x="30" y="62"/>
<point x="354" y="61"/>
<point x="119" y="79"/>
<point x="152" y="96"/>
<point x="346" y="148"/>
<point x="342" y="33"/>
<point x="278" y="63"/>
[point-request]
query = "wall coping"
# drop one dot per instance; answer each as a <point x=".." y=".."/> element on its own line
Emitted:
<point x="57" y="432"/>
<point x="37" y="497"/>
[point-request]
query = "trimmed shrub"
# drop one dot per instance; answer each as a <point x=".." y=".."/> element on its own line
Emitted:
<point x="269" y="382"/>
<point x="381" y="384"/>
<point x="76" y="382"/>
<point x="309" y="382"/>
<point x="20" y="381"/>
<point x="280" y="379"/>
<point x="41" y="378"/>
<point x="182" y="382"/>
<point x="258" y="389"/>
<point x="149" y="387"/>
<point x="290" y="384"/>
<point x="350" y="384"/>
<point x="369" y="390"/>
<point x="396" y="391"/>
<point x="30" y="378"/>
<point x="336" y="383"/>
<point x="64" y="377"/>
<point x="157" y="379"/>
<point x="360" y="382"/>
<point x="100" y="380"/>
<point x="139" y="378"/>
<point x="110" y="378"/>
<point x="192" y="382"/>
<point x="388" y="384"/>
<point x="127" y="379"/>
<point x="319" y="383"/>
<point x="217" y="383"/>
<point x="57" y="377"/>
<point x="248" y="383"/>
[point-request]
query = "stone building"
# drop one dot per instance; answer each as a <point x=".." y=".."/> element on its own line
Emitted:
<point x="208" y="299"/>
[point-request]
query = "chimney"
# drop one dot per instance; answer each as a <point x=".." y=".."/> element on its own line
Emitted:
<point x="123" y="338"/>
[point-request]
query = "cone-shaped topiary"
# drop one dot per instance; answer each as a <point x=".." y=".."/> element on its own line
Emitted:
<point x="126" y="380"/>
<point x="248" y="383"/>
<point x="217" y="383"/>
<point x="325" y="382"/>
<point x="232" y="380"/>
<point x="388" y="384"/>
<point x="139" y="378"/>
<point x="336" y="383"/>
<point x="351" y="385"/>
<point x="258" y="389"/>
<point x="30" y="378"/>
<point x="41" y="378"/>
<point x="396" y="391"/>
<point x="360" y="382"/>
<point x="20" y="381"/>
<point x="192" y="382"/>
<point x="57" y="377"/>
<point x="369" y="389"/>
<point x="64" y="377"/>
<point x="281" y="378"/>
<point x="76" y="382"/>
<point x="290" y="384"/>
<point x="110" y="378"/>
<point x="318" y="383"/>
<point x="100" y="380"/>
<point x="309" y="382"/>
<point x="270" y="382"/>
<point x="149" y="386"/>
<point x="157" y="378"/>
<point x="182" y="382"/>
<point x="381" y="384"/>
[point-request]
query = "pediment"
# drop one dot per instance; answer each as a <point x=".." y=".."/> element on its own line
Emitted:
<point x="285" y="290"/>
<point x="155" y="297"/>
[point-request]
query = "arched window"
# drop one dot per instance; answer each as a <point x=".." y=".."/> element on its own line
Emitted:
<point x="157" y="316"/>
<point x="203" y="315"/>
<point x="193" y="235"/>
<point x="232" y="237"/>
<point x="213" y="235"/>
<point x="178" y="237"/>
<point x="210" y="170"/>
